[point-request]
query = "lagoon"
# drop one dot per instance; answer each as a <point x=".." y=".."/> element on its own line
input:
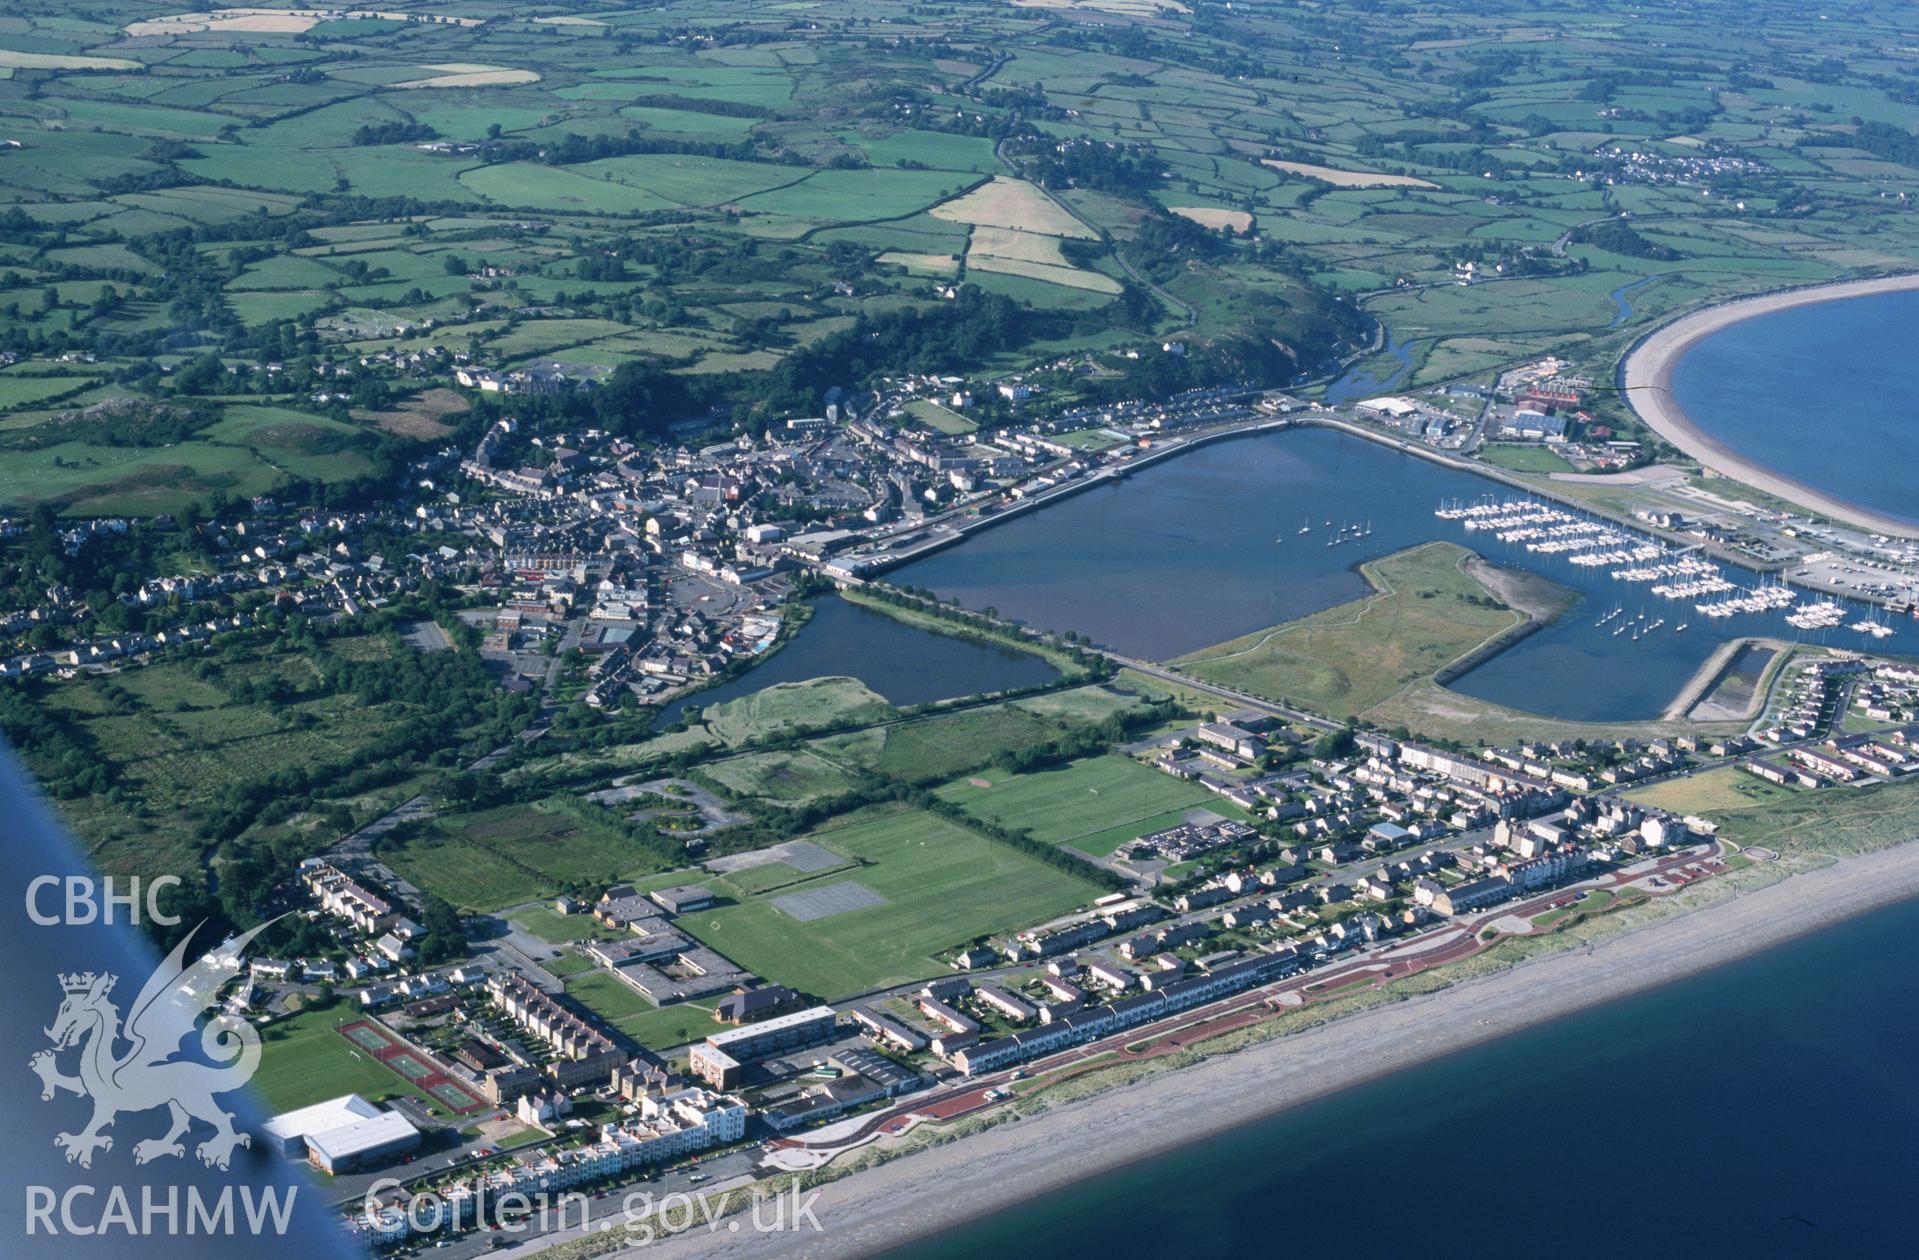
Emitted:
<point x="1207" y="546"/>
<point x="903" y="663"/>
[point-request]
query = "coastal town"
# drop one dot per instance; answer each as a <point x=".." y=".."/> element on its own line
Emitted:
<point x="669" y="563"/>
<point x="1330" y="857"/>
<point x="843" y="628"/>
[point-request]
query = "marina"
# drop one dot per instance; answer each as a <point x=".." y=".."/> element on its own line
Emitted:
<point x="1185" y="554"/>
<point x="1671" y="574"/>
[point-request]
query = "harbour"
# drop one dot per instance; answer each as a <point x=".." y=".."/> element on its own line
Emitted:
<point x="1207" y="547"/>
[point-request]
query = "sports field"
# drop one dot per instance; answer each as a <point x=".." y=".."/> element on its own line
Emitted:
<point x="656" y="1028"/>
<point x="306" y="1059"/>
<point x="412" y="1066"/>
<point x="1094" y="805"/>
<point x="943" y="885"/>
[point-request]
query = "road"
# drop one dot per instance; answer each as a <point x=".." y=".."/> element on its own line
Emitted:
<point x="1240" y="698"/>
<point x="1454" y="940"/>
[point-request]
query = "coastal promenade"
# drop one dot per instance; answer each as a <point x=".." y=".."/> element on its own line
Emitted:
<point x="948" y="1185"/>
<point x="1646" y="374"/>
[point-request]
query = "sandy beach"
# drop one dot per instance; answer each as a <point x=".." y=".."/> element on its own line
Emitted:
<point x="949" y="1185"/>
<point x="1647" y="376"/>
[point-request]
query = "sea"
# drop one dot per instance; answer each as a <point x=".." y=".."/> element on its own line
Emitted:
<point x="1765" y="1108"/>
<point x="1820" y="394"/>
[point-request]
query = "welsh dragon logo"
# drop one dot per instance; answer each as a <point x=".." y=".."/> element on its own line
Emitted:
<point x="147" y="1074"/>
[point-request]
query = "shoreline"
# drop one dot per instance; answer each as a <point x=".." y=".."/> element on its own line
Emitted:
<point x="1646" y="372"/>
<point x="944" y="1186"/>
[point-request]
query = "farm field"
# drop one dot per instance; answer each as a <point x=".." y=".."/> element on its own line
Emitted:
<point x="1348" y="179"/>
<point x="1428" y="611"/>
<point x="942" y="885"/>
<point x="179" y="737"/>
<point x="361" y="180"/>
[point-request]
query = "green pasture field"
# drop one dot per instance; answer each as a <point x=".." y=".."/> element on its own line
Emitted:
<point x="118" y="154"/>
<point x="807" y="705"/>
<point x="173" y="740"/>
<point x="1083" y="705"/>
<point x="1426" y="612"/>
<point x="249" y="451"/>
<point x="938" y="747"/>
<point x="796" y="776"/>
<point x="944" y="885"/>
<point x="501" y="857"/>
<point x="20" y="390"/>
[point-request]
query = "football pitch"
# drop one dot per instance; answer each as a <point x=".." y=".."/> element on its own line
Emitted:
<point x="1094" y="805"/>
<point x="943" y="885"/>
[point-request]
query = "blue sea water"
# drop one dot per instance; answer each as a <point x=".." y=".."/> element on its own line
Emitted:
<point x="1822" y="394"/>
<point x="1763" y="1109"/>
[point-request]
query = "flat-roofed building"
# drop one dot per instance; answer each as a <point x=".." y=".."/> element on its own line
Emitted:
<point x="721" y="1059"/>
